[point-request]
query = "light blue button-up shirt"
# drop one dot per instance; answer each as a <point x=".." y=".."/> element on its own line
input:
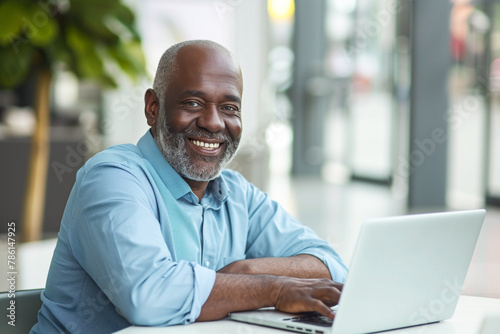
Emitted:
<point x="137" y="247"/>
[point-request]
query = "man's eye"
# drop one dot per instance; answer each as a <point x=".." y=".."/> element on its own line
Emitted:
<point x="192" y="104"/>
<point x="230" y="109"/>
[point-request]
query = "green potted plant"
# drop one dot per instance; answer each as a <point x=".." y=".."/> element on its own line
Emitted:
<point x="90" y="38"/>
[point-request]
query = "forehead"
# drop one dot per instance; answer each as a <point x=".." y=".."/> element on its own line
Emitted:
<point x="206" y="67"/>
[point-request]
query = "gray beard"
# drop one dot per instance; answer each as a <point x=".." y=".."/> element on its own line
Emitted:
<point x="173" y="147"/>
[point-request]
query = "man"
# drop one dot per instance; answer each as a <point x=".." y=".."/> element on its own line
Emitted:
<point x="158" y="234"/>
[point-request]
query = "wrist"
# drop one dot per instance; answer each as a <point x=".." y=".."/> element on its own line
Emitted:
<point x="276" y="286"/>
<point x="237" y="267"/>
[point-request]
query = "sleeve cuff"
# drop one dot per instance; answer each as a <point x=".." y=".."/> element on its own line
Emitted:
<point x="336" y="266"/>
<point x="204" y="283"/>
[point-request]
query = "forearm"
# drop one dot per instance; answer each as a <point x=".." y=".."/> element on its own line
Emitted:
<point x="300" y="266"/>
<point x="236" y="292"/>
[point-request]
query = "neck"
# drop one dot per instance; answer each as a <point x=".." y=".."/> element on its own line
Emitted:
<point x="198" y="187"/>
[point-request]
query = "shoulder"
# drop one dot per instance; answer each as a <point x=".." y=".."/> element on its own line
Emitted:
<point x="233" y="177"/>
<point x="118" y="159"/>
<point x="117" y="170"/>
<point x="238" y="184"/>
<point x="234" y="181"/>
<point x="126" y="155"/>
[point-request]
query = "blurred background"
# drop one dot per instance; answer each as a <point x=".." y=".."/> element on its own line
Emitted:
<point x="352" y="109"/>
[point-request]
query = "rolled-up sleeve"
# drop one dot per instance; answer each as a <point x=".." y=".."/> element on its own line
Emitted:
<point x="117" y="239"/>
<point x="275" y="233"/>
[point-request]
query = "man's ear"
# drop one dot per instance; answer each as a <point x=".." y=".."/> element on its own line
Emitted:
<point x="151" y="107"/>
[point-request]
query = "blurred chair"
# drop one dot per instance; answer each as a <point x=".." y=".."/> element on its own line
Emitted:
<point x="27" y="303"/>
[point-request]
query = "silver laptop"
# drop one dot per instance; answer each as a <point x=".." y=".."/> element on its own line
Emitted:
<point x="405" y="271"/>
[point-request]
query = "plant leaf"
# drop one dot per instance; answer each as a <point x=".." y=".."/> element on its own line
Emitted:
<point x="11" y="16"/>
<point x="15" y="64"/>
<point x="130" y="58"/>
<point x="45" y="33"/>
<point x="107" y="81"/>
<point x="77" y="39"/>
<point x="124" y="14"/>
<point x="79" y="36"/>
<point x="98" y="29"/>
<point x="90" y="64"/>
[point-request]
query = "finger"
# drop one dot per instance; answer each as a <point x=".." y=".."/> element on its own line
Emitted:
<point x="328" y="295"/>
<point x="322" y="309"/>
<point x="329" y="283"/>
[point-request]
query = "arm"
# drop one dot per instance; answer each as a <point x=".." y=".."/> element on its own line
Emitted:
<point x="300" y="266"/>
<point x="277" y="248"/>
<point x="235" y="292"/>
<point x="117" y="239"/>
<point x="273" y="233"/>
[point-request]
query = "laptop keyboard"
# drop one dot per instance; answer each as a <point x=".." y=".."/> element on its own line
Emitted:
<point x="312" y="319"/>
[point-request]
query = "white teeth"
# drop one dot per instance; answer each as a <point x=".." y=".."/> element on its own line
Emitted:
<point x="210" y="146"/>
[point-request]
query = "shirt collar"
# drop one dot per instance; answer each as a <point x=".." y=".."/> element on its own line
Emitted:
<point x="218" y="191"/>
<point x="173" y="181"/>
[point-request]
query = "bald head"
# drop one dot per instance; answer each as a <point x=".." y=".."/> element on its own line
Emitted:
<point x="168" y="65"/>
<point x="194" y="110"/>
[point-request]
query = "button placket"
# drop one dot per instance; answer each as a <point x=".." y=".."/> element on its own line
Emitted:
<point x="207" y="248"/>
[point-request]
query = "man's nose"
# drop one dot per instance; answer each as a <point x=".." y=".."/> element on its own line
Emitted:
<point x="211" y="119"/>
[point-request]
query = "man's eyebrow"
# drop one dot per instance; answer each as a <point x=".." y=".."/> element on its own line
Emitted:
<point x="233" y="98"/>
<point x="199" y="93"/>
<point x="193" y="93"/>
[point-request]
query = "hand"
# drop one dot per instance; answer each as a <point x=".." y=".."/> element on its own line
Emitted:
<point x="306" y="295"/>
<point x="237" y="292"/>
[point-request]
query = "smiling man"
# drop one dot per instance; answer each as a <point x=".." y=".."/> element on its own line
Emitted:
<point x="159" y="233"/>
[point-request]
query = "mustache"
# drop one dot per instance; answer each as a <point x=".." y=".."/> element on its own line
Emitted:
<point x="208" y="135"/>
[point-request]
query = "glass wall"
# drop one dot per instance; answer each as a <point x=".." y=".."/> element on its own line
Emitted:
<point x="474" y="104"/>
<point x="359" y="139"/>
<point x="367" y="125"/>
<point x="493" y="120"/>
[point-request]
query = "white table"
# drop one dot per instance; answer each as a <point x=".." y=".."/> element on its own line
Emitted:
<point x="467" y="319"/>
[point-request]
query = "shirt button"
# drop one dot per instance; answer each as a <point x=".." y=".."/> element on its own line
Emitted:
<point x="207" y="263"/>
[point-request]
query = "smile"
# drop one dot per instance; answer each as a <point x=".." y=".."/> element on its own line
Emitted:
<point x="207" y="146"/>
